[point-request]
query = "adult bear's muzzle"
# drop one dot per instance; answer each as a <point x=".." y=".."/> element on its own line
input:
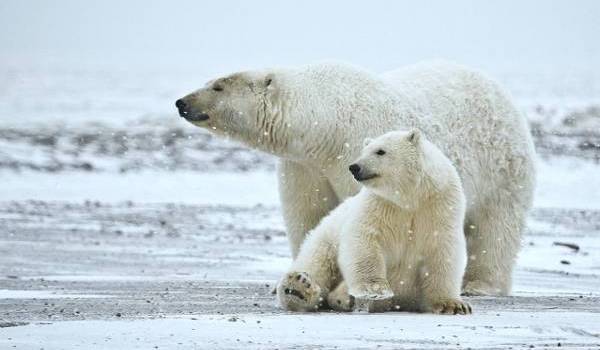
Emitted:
<point x="184" y="112"/>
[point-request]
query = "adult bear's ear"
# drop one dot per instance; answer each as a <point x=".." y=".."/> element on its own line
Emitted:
<point x="367" y="141"/>
<point x="262" y="83"/>
<point x="414" y="136"/>
<point x="269" y="81"/>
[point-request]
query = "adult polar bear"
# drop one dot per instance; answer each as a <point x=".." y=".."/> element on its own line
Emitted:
<point x="315" y="118"/>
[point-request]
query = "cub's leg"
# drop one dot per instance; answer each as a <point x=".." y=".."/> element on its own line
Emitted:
<point x="441" y="288"/>
<point x="314" y="272"/>
<point x="443" y="263"/>
<point x="363" y="267"/>
<point x="306" y="197"/>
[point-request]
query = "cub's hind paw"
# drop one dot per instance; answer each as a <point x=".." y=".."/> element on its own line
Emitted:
<point x="372" y="291"/>
<point x="340" y="300"/>
<point x="297" y="292"/>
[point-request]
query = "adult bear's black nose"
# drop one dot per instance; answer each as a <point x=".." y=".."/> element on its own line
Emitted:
<point x="354" y="169"/>
<point x="180" y="104"/>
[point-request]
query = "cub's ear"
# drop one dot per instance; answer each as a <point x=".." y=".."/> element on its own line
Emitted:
<point x="367" y="141"/>
<point x="414" y="136"/>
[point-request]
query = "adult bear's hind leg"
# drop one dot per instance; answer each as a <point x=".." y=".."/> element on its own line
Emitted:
<point x="306" y="197"/>
<point x="493" y="233"/>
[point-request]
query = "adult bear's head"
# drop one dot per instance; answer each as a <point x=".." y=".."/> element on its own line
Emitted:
<point x="292" y="112"/>
<point x="237" y="106"/>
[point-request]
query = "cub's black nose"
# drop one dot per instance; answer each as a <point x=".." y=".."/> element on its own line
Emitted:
<point x="180" y="104"/>
<point x="354" y="169"/>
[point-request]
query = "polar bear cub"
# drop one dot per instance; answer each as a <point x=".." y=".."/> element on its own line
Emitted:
<point x="398" y="243"/>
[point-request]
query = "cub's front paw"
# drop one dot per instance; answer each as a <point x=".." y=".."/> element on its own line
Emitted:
<point x="372" y="291"/>
<point x="297" y="292"/>
<point x="451" y="307"/>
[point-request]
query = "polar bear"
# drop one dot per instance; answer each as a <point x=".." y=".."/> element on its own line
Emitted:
<point x="400" y="239"/>
<point x="315" y="117"/>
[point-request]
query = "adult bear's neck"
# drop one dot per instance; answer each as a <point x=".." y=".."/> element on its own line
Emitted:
<point x="332" y="126"/>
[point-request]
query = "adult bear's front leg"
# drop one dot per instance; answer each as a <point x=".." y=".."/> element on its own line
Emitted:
<point x="306" y="197"/>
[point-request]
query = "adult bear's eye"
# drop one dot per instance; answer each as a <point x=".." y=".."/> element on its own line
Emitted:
<point x="380" y="152"/>
<point x="217" y="88"/>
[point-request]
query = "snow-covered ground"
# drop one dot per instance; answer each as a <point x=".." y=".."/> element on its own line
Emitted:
<point x="129" y="275"/>
<point x="123" y="227"/>
<point x="328" y="331"/>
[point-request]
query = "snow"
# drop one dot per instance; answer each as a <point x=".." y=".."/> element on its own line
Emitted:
<point x="352" y="331"/>
<point x="40" y="294"/>
<point x="568" y="183"/>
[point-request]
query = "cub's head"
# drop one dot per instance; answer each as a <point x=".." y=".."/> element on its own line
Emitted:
<point x="391" y="165"/>
<point x="234" y="105"/>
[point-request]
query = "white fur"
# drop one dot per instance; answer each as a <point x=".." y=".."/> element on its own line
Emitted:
<point x="315" y="118"/>
<point x="401" y="236"/>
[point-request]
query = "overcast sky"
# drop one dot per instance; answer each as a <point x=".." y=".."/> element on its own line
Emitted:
<point x="378" y="34"/>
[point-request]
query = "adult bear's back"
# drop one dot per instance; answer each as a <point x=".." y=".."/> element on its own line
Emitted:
<point x="473" y="121"/>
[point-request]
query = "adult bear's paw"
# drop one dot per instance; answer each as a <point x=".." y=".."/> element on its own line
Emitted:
<point x="480" y="288"/>
<point x="297" y="292"/>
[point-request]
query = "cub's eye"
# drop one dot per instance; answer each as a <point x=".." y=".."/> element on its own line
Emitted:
<point x="217" y="88"/>
<point x="380" y="152"/>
